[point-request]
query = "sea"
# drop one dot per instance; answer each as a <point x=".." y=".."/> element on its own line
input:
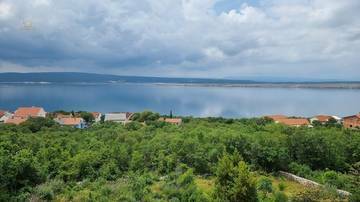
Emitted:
<point x="182" y="100"/>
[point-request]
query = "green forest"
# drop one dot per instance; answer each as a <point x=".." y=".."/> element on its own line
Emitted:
<point x="204" y="159"/>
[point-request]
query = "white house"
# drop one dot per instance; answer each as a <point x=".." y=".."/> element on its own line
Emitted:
<point x="97" y="116"/>
<point x="4" y="116"/>
<point x="325" y="118"/>
<point x="118" y="117"/>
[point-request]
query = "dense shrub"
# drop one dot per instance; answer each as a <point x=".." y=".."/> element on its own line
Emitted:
<point x="111" y="162"/>
<point x="265" y="185"/>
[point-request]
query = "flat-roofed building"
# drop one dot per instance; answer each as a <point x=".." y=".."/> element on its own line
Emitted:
<point x="118" y="117"/>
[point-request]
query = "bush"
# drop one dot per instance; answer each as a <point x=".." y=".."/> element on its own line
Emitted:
<point x="300" y="169"/>
<point x="333" y="179"/>
<point x="281" y="186"/>
<point x="280" y="197"/>
<point x="45" y="192"/>
<point x="315" y="195"/>
<point x="234" y="182"/>
<point x="133" y="126"/>
<point x="35" y="124"/>
<point x="265" y="185"/>
<point x="48" y="190"/>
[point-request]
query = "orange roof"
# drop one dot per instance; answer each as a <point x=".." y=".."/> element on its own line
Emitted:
<point x="294" y="122"/>
<point x="323" y="118"/>
<point x="70" y="121"/>
<point x="173" y="120"/>
<point x="2" y="113"/>
<point x="27" y="111"/>
<point x="15" y="120"/>
<point x="276" y="117"/>
<point x="353" y="116"/>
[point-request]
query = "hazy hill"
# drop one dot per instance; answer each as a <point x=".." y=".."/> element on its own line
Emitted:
<point x="74" y="77"/>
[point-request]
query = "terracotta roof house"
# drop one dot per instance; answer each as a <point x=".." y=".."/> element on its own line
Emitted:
<point x="276" y="118"/>
<point x="97" y="116"/>
<point x="26" y="112"/>
<point x="175" y="121"/>
<point x="74" y="122"/>
<point x="324" y="118"/>
<point x="352" y="121"/>
<point x="295" y="122"/>
<point x="4" y="115"/>
<point x="15" y="120"/>
<point x="118" y="117"/>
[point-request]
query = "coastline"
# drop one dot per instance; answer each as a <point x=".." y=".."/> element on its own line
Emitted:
<point x="334" y="85"/>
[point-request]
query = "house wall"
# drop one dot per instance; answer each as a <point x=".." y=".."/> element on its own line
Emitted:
<point x="117" y="118"/>
<point x="42" y="113"/>
<point x="351" y="122"/>
<point x="98" y="119"/>
<point x="5" y="117"/>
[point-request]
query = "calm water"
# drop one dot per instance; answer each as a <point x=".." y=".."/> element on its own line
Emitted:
<point x="196" y="101"/>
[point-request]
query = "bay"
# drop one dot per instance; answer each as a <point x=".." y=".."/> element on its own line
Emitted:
<point x="199" y="101"/>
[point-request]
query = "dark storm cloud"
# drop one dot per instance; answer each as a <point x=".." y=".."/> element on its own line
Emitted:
<point x="207" y="38"/>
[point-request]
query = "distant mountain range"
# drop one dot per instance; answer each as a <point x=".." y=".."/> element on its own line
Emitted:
<point x="76" y="77"/>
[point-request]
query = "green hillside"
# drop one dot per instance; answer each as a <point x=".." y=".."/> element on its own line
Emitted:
<point x="210" y="159"/>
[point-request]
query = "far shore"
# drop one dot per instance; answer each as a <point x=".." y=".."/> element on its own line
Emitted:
<point x="315" y="85"/>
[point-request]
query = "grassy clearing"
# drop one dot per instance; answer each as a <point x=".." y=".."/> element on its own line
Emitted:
<point x="205" y="185"/>
<point x="291" y="187"/>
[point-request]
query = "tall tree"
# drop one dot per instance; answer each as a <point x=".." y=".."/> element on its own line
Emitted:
<point x="234" y="182"/>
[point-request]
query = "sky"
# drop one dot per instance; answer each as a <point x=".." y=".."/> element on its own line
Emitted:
<point x="183" y="38"/>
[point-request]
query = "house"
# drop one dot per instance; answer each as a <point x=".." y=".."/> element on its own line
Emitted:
<point x="324" y="118"/>
<point x="352" y="121"/>
<point x="4" y="116"/>
<point x="71" y="121"/>
<point x="15" y="120"/>
<point x="97" y="116"/>
<point x="118" y="117"/>
<point x="297" y="122"/>
<point x="27" y="112"/>
<point x="276" y="118"/>
<point x="175" y="121"/>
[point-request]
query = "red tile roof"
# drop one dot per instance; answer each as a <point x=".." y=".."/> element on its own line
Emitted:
<point x="172" y="120"/>
<point x="323" y="118"/>
<point x="353" y="116"/>
<point x="70" y="121"/>
<point x="26" y="112"/>
<point x="295" y="122"/>
<point x="276" y="117"/>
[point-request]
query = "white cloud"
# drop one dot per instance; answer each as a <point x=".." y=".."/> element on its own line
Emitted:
<point x="5" y="10"/>
<point x="41" y="2"/>
<point x="214" y="53"/>
<point x="184" y="38"/>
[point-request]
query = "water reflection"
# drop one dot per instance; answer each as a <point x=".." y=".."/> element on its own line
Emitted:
<point x="196" y="101"/>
